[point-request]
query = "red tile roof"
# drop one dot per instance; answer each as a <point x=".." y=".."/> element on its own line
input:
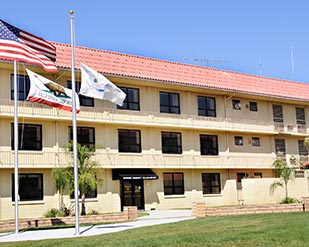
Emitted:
<point x="119" y="64"/>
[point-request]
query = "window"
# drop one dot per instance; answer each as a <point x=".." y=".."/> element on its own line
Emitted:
<point x="89" y="194"/>
<point x="173" y="183"/>
<point x="83" y="100"/>
<point x="169" y="103"/>
<point x="171" y="143"/>
<point x="23" y="87"/>
<point x="277" y="113"/>
<point x="302" y="148"/>
<point x="85" y="136"/>
<point x="236" y="104"/>
<point x="255" y="141"/>
<point x="29" y="137"/>
<point x="206" y="106"/>
<point x="300" y="116"/>
<point x="129" y="141"/>
<point x="209" y="144"/>
<point x="238" y="140"/>
<point x="30" y="187"/>
<point x="257" y="175"/>
<point x="131" y="102"/>
<point x="299" y="174"/>
<point x="253" y="106"/>
<point x="280" y="146"/>
<point x="211" y="183"/>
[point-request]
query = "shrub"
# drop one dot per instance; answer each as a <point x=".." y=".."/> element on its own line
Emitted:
<point x="66" y="211"/>
<point x="289" y="200"/>
<point x="52" y="213"/>
<point x="63" y="212"/>
<point x="92" y="212"/>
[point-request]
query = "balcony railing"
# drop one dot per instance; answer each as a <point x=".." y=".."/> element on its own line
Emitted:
<point x="279" y="127"/>
<point x="301" y="128"/>
<point x="147" y="118"/>
<point x="149" y="159"/>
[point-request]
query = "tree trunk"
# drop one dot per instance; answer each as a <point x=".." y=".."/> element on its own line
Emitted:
<point x="62" y="205"/>
<point x="286" y="189"/>
<point x="83" y="210"/>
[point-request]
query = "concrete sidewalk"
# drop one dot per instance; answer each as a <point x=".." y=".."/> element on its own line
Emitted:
<point x="155" y="217"/>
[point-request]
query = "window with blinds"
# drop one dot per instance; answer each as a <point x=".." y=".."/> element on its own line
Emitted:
<point x="278" y="113"/>
<point x="302" y="148"/>
<point x="253" y="106"/>
<point x="300" y="116"/>
<point x="280" y="146"/>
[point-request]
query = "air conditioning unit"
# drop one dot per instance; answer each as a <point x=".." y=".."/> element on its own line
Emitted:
<point x="237" y="106"/>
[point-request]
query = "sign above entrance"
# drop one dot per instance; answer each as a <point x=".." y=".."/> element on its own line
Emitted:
<point x="134" y="174"/>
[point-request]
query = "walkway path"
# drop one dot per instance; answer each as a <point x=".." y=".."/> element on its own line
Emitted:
<point x="154" y="218"/>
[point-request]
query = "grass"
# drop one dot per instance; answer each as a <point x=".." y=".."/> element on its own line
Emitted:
<point x="139" y="214"/>
<point x="142" y="214"/>
<point x="260" y="230"/>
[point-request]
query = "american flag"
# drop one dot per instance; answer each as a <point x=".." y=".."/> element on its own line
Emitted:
<point x="18" y="45"/>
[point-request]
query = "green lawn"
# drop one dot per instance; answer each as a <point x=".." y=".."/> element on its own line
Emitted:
<point x="263" y="230"/>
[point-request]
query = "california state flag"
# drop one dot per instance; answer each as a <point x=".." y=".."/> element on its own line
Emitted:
<point x="45" y="91"/>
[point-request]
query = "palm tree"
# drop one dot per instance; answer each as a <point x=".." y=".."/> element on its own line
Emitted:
<point x="60" y="180"/>
<point x="87" y="180"/>
<point x="285" y="173"/>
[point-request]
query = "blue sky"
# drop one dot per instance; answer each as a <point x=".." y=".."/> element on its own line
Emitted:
<point x="236" y="35"/>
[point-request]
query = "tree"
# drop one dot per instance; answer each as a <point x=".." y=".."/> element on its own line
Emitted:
<point x="87" y="177"/>
<point x="61" y="181"/>
<point x="285" y="173"/>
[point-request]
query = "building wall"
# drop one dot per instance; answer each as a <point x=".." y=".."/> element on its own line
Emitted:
<point x="29" y="208"/>
<point x="107" y="119"/>
<point x="108" y="199"/>
<point x="55" y="135"/>
<point x="256" y="191"/>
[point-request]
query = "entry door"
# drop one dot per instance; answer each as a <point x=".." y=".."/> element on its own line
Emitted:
<point x="132" y="193"/>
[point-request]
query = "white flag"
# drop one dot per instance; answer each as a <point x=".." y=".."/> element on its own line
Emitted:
<point x="45" y="91"/>
<point x="96" y="85"/>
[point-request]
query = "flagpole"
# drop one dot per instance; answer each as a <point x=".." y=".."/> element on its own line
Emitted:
<point x="16" y="186"/>
<point x="76" y="194"/>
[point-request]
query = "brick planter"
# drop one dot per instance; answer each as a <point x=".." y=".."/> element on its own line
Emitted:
<point x="128" y="214"/>
<point x="200" y="210"/>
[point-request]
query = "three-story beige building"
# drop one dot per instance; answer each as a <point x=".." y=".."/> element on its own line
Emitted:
<point x="184" y="134"/>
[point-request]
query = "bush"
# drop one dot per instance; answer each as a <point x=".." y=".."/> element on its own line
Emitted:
<point x="289" y="200"/>
<point x="52" y="213"/>
<point x="63" y="212"/>
<point x="92" y="212"/>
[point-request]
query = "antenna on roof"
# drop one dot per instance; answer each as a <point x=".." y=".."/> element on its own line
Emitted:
<point x="260" y="66"/>
<point x="198" y="61"/>
<point x="292" y="61"/>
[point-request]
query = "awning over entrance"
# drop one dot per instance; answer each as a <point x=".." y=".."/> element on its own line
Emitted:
<point x="130" y="174"/>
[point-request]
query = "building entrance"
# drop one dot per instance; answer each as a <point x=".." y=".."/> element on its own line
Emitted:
<point x="132" y="193"/>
